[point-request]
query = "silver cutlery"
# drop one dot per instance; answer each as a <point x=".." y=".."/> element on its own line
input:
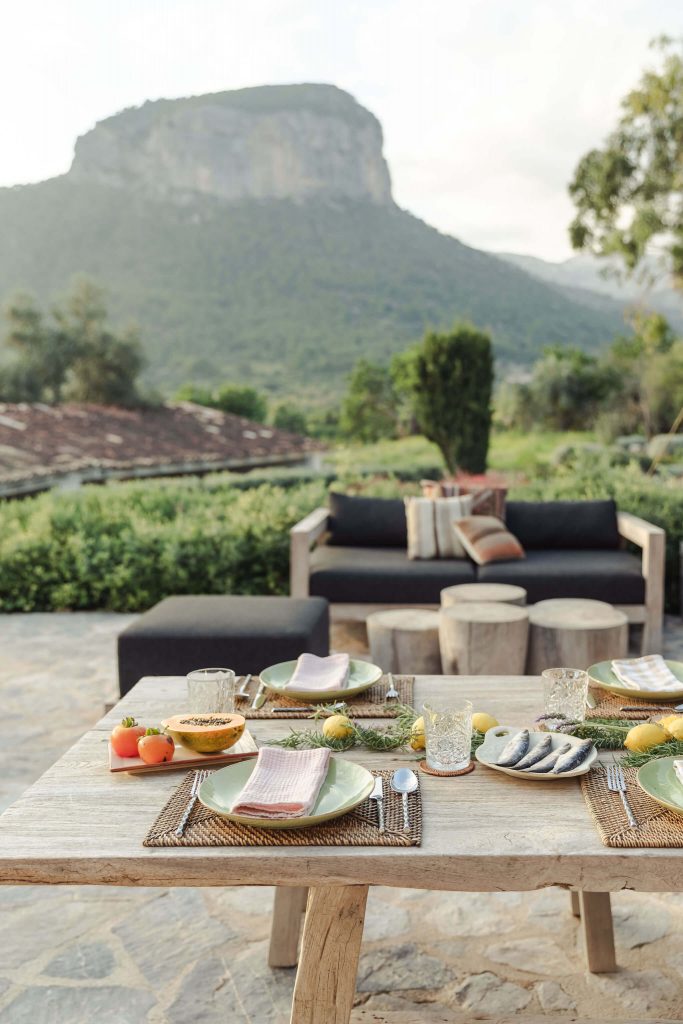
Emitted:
<point x="616" y="783"/>
<point x="392" y="693"/>
<point x="260" y="698"/>
<point x="378" y="795"/>
<point x="199" y="777"/>
<point x="648" y="707"/>
<point x="243" y="692"/>
<point x="286" y="708"/>
<point x="404" y="781"/>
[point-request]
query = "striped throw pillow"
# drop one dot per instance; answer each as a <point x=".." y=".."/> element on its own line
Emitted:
<point x="485" y="540"/>
<point x="430" y="526"/>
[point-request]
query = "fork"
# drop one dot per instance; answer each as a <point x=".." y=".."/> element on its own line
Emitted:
<point x="243" y="692"/>
<point x="199" y="777"/>
<point x="616" y="783"/>
<point x="392" y="693"/>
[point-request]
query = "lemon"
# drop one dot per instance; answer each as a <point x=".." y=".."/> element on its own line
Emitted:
<point x="671" y="723"/>
<point x="417" y="734"/>
<point x="337" y="727"/>
<point x="676" y="729"/>
<point x="483" y="722"/>
<point x="643" y="737"/>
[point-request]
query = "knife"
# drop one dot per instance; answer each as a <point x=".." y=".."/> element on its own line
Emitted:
<point x="285" y="708"/>
<point x="378" y="795"/>
<point x="260" y="698"/>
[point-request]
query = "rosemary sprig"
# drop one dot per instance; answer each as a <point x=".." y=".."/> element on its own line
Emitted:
<point x="606" y="733"/>
<point x="673" y="748"/>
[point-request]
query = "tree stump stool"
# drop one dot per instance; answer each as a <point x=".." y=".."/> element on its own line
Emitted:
<point x="483" y="638"/>
<point x="505" y="593"/>
<point x="575" y="633"/>
<point x="405" y="641"/>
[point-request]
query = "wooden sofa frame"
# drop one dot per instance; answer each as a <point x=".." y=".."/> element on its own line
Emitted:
<point x="649" y="538"/>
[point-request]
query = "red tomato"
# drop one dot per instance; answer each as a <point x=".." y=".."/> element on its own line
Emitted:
<point x="124" y="737"/>
<point x="155" y="747"/>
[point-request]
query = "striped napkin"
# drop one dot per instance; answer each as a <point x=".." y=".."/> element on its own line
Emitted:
<point x="314" y="673"/>
<point x="284" y="783"/>
<point x="649" y="673"/>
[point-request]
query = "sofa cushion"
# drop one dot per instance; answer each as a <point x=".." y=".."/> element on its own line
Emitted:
<point x="356" y="521"/>
<point x="612" y="576"/>
<point x="563" y="525"/>
<point x="383" y="575"/>
<point x="485" y="539"/>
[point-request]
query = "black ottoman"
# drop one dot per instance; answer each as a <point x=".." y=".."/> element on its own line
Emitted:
<point x="243" y="633"/>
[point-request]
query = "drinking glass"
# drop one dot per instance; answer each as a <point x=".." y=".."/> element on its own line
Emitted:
<point x="564" y="694"/>
<point x="211" y="691"/>
<point x="448" y="737"/>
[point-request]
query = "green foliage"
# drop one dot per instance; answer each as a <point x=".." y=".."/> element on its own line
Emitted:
<point x="240" y="400"/>
<point x="368" y="411"/>
<point x="76" y="357"/>
<point x="627" y="194"/>
<point x="288" y="416"/>
<point x="452" y="384"/>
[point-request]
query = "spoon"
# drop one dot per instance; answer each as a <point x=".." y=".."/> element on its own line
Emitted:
<point x="243" y="692"/>
<point x="404" y="781"/>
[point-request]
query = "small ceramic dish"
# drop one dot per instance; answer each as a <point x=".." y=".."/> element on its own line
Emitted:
<point x="346" y="785"/>
<point x="495" y="739"/>
<point x="362" y="675"/>
<point x="602" y="675"/>
<point x="658" y="779"/>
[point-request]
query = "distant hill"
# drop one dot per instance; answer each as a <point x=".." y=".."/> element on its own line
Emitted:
<point x="253" y="234"/>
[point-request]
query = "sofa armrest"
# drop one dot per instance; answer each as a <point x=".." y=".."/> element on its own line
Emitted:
<point x="302" y="536"/>
<point x="652" y="540"/>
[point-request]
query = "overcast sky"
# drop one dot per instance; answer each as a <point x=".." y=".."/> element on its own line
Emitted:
<point x="486" y="104"/>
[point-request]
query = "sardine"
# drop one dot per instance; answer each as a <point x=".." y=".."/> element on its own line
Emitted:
<point x="536" y="753"/>
<point x="547" y="763"/>
<point x="574" y="757"/>
<point x="514" y="749"/>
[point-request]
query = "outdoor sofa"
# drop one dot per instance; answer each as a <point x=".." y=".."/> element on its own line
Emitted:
<point x="354" y="553"/>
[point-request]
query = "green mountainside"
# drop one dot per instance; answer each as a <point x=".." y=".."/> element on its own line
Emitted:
<point x="281" y="293"/>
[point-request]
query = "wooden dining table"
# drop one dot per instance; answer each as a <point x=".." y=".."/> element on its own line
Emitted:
<point x="483" y="832"/>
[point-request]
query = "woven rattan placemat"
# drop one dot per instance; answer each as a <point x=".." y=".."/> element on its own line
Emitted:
<point x="657" y="827"/>
<point x="358" y="828"/>
<point x="608" y="704"/>
<point x="369" y="704"/>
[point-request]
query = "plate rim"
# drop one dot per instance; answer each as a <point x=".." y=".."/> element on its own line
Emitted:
<point x="582" y="769"/>
<point x="304" y="822"/>
<point x="322" y="695"/>
<point x="663" y="803"/>
<point x="625" y="691"/>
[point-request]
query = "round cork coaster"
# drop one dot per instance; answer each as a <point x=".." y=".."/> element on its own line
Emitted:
<point x="422" y="765"/>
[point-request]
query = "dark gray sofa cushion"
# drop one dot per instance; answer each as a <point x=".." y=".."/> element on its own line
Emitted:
<point x="201" y="631"/>
<point x="563" y="525"/>
<point x="383" y="575"/>
<point x="613" y="576"/>
<point x="359" y="522"/>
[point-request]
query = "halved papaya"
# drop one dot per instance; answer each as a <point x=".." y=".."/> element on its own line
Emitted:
<point x="205" y="734"/>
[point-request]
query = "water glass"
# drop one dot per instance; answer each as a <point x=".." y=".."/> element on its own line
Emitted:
<point x="211" y="691"/>
<point x="565" y="691"/>
<point x="448" y="737"/>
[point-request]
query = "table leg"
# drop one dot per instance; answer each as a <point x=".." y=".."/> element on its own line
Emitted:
<point x="326" y="977"/>
<point x="598" y="932"/>
<point x="576" y="903"/>
<point x="285" y="928"/>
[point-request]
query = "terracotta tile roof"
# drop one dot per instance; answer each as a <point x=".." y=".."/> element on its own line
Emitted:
<point x="41" y="445"/>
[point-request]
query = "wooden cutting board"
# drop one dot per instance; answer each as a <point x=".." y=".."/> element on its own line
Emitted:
<point x="182" y="758"/>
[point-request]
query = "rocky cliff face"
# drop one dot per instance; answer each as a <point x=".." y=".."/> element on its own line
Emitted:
<point x="274" y="142"/>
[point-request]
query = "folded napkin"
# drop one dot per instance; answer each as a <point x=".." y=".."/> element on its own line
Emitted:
<point x="649" y="673"/>
<point x="678" y="768"/>
<point x="314" y="673"/>
<point x="284" y="783"/>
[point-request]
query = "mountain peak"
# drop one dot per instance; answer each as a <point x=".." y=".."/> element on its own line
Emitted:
<point x="299" y="142"/>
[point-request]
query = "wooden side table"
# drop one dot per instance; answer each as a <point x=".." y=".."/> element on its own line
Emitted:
<point x="507" y="593"/>
<point x="575" y="633"/>
<point x="405" y="640"/>
<point x="483" y="638"/>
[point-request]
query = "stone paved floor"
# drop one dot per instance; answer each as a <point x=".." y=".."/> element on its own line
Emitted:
<point x="80" y="955"/>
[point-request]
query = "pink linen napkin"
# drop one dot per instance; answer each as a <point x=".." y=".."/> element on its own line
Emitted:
<point x="314" y="673"/>
<point x="284" y="783"/>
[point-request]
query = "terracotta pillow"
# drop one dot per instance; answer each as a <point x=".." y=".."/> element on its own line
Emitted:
<point x="485" y="539"/>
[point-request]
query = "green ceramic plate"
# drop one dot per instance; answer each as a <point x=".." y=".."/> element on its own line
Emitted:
<point x="361" y="677"/>
<point x="658" y="779"/>
<point x="346" y="785"/>
<point x="496" y="738"/>
<point x="602" y="675"/>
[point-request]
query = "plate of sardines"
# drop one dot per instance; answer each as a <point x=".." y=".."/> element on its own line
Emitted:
<point x="535" y="755"/>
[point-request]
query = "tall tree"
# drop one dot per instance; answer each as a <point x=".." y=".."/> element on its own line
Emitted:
<point x="368" y="411"/>
<point x="628" y="193"/>
<point x="452" y="386"/>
